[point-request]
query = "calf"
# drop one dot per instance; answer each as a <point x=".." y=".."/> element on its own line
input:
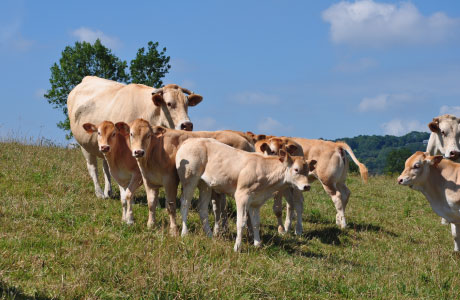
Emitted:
<point x="155" y="150"/>
<point x="251" y="177"/>
<point x="122" y="164"/>
<point x="439" y="180"/>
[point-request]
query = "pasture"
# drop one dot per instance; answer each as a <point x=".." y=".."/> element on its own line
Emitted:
<point x="57" y="240"/>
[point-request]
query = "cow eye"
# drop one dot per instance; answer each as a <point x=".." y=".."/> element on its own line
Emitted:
<point x="113" y="133"/>
<point x="296" y="170"/>
<point x="443" y="133"/>
<point x="98" y="133"/>
<point x="416" y="166"/>
<point x="131" y="134"/>
<point x="169" y="104"/>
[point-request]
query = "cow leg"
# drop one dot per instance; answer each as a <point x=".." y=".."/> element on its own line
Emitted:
<point x="123" y="203"/>
<point x="129" y="192"/>
<point x="298" y="205"/>
<point x="171" y="193"/>
<point x="290" y="206"/>
<point x="91" y="163"/>
<point x="444" y="221"/>
<point x="456" y="234"/>
<point x="152" y="200"/>
<point x="203" y="204"/>
<point x="107" y="179"/>
<point x="254" y="215"/>
<point x="278" y="211"/>
<point x="219" y="208"/>
<point x="241" y="218"/>
<point x="186" y="201"/>
<point x="339" y="203"/>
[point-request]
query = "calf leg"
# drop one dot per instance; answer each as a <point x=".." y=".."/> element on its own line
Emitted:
<point x="91" y="163"/>
<point x="254" y="216"/>
<point x="241" y="218"/>
<point x="129" y="192"/>
<point x="203" y="204"/>
<point x="339" y="203"/>
<point x="298" y="206"/>
<point x="186" y="200"/>
<point x="123" y="203"/>
<point x="278" y="211"/>
<point x="171" y="193"/>
<point x="456" y="234"/>
<point x="152" y="200"/>
<point x="107" y="179"/>
<point x="444" y="221"/>
<point x="219" y="207"/>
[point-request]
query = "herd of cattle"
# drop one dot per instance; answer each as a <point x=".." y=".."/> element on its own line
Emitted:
<point x="144" y="135"/>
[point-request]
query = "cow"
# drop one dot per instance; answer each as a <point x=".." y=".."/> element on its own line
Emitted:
<point x="96" y="99"/>
<point x="331" y="170"/>
<point x="251" y="177"/>
<point x="439" y="181"/>
<point x="123" y="166"/>
<point x="155" y="150"/>
<point x="445" y="139"/>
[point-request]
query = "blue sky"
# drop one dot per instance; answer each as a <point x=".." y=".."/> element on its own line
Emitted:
<point x="326" y="69"/>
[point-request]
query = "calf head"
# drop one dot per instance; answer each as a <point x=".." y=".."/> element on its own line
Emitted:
<point x="447" y="128"/>
<point x="273" y="146"/>
<point x="417" y="168"/>
<point x="255" y="137"/>
<point x="174" y="106"/>
<point x="141" y="136"/>
<point x="297" y="170"/>
<point x="106" y="135"/>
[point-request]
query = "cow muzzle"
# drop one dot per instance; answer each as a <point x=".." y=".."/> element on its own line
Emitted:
<point x="187" y="126"/>
<point x="453" y="155"/>
<point x="104" y="148"/>
<point x="138" y="153"/>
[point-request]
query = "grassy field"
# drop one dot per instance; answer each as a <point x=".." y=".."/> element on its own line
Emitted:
<point x="57" y="240"/>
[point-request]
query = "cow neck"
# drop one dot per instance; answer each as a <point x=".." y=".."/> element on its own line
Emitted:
<point x="154" y="151"/>
<point x="120" y="152"/>
<point x="437" y="182"/>
<point x="277" y="175"/>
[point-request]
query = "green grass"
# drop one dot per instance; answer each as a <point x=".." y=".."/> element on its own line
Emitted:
<point x="57" y="240"/>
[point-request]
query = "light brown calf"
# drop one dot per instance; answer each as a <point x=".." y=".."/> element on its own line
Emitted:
<point x="155" y="150"/>
<point x="439" y="181"/>
<point x="122" y="164"/>
<point x="251" y="177"/>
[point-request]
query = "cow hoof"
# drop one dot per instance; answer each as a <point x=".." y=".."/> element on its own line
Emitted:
<point x="281" y="230"/>
<point x="130" y="222"/>
<point x="150" y="224"/>
<point x="444" y="221"/>
<point x="257" y="244"/>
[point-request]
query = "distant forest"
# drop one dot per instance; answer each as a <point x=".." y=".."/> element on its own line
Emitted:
<point x="385" y="154"/>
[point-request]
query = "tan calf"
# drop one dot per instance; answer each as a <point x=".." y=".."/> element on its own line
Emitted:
<point x="155" y="150"/>
<point x="122" y="164"/>
<point x="251" y="177"/>
<point x="439" y="181"/>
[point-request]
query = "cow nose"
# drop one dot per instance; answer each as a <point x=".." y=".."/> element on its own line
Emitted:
<point x="187" y="126"/>
<point x="139" y="153"/>
<point x="306" y="188"/>
<point x="105" y="148"/>
<point x="454" y="154"/>
<point x="400" y="180"/>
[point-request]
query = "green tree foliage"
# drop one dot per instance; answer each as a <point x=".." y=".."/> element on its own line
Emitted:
<point x="396" y="159"/>
<point x="149" y="68"/>
<point x="84" y="59"/>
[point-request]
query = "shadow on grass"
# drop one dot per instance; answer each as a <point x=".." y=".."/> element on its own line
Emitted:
<point x="370" y="227"/>
<point x="11" y="292"/>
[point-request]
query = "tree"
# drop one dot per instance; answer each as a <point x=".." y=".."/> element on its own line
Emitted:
<point x="148" y="68"/>
<point x="396" y="160"/>
<point x="85" y="59"/>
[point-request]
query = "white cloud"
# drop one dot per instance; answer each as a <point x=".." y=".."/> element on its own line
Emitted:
<point x="272" y="127"/>
<point x="360" y="65"/>
<point x="205" y="124"/>
<point x="370" y="23"/>
<point x="451" y="110"/>
<point x="256" y="98"/>
<point x="399" y="127"/>
<point x="383" y="101"/>
<point x="90" y="36"/>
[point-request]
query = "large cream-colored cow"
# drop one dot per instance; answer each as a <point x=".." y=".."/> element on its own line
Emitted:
<point x="445" y="137"/>
<point x="251" y="177"/>
<point x="439" y="181"/>
<point x="95" y="100"/>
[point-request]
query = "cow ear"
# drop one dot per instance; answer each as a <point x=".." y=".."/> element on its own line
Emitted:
<point x="157" y="98"/>
<point x="434" y="125"/>
<point x="261" y="137"/>
<point x="89" y="128"/>
<point x="265" y="148"/>
<point x="194" y="99"/>
<point x="158" y="131"/>
<point x="312" y="165"/>
<point x="285" y="158"/>
<point x="434" y="160"/>
<point x="123" y="128"/>
<point x="291" y="149"/>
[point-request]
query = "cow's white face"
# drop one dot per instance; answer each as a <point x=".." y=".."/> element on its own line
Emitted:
<point x="417" y="169"/>
<point x="297" y="170"/>
<point x="174" y="106"/>
<point x="447" y="128"/>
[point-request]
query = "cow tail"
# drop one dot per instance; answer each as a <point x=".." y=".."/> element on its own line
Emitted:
<point x="362" y="168"/>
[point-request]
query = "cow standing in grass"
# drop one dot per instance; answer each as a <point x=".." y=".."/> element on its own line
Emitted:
<point x="439" y="181"/>
<point x="95" y="100"/>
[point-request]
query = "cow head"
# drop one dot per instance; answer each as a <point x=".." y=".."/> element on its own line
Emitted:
<point x="273" y="146"/>
<point x="106" y="135"/>
<point x="447" y="129"/>
<point x="297" y="170"/>
<point x="174" y="105"/>
<point x="417" y="168"/>
<point x="141" y="135"/>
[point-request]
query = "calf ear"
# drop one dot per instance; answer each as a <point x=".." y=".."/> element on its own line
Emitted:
<point x="123" y="128"/>
<point x="157" y="98"/>
<point x="260" y="137"/>
<point x="265" y="148"/>
<point x="434" y="125"/>
<point x="90" y="128"/>
<point x="194" y="99"/>
<point x="312" y="165"/>
<point x="158" y="130"/>
<point x="285" y="157"/>
<point x="434" y="160"/>
<point x="291" y="149"/>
